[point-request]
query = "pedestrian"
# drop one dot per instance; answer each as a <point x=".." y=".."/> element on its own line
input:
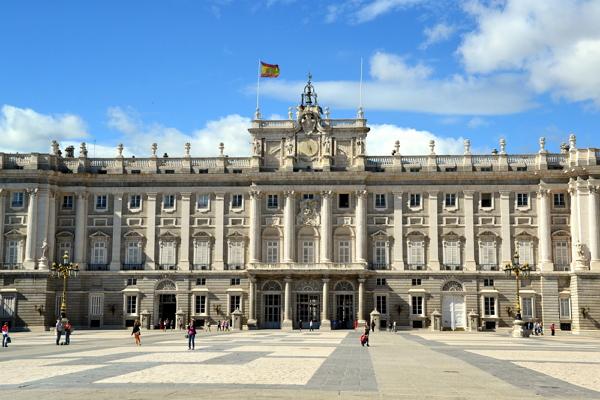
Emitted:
<point x="166" y="324"/>
<point x="59" y="330"/>
<point x="5" y="337"/>
<point x="161" y="325"/>
<point x="208" y="326"/>
<point x="300" y="325"/>
<point x="365" y="337"/>
<point x="394" y="327"/>
<point x="310" y="325"/>
<point x="218" y="325"/>
<point x="68" y="329"/>
<point x="172" y="324"/>
<point x="372" y="326"/>
<point x="191" y="334"/>
<point x="137" y="332"/>
<point x="552" y="329"/>
<point x="226" y="325"/>
<point x="541" y="328"/>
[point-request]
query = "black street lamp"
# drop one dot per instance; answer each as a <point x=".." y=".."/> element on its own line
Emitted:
<point x="520" y="272"/>
<point x="64" y="270"/>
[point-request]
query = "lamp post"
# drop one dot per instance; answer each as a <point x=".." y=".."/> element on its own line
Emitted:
<point x="64" y="270"/>
<point x="519" y="271"/>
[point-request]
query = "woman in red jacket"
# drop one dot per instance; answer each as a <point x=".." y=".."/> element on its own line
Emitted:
<point x="5" y="335"/>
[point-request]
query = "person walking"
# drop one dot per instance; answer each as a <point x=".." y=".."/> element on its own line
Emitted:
<point x="310" y="325"/>
<point x="394" y="327"/>
<point x="208" y="326"/>
<point x="68" y="329"/>
<point x="166" y="324"/>
<point x="552" y="329"/>
<point x="59" y="327"/>
<point x="372" y="326"/>
<point x="5" y="334"/>
<point x="364" y="339"/>
<point x="191" y="334"/>
<point x="137" y="332"/>
<point x="218" y="325"/>
<point x="300" y="325"/>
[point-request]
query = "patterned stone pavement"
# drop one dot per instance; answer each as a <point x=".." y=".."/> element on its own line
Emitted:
<point x="275" y="364"/>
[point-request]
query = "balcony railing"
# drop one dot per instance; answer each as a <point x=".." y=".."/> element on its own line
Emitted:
<point x="9" y="266"/>
<point x="132" y="266"/>
<point x="451" y="267"/>
<point x="562" y="267"/>
<point x="236" y="266"/>
<point x="167" y="267"/>
<point x="488" y="267"/>
<point x="200" y="267"/>
<point x="378" y="265"/>
<point x="307" y="266"/>
<point x="97" y="267"/>
<point x="415" y="267"/>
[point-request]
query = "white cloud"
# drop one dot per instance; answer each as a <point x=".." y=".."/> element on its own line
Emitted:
<point x="477" y="122"/>
<point x="138" y="136"/>
<point x="377" y="8"/>
<point x="396" y="85"/>
<point x="555" y="42"/>
<point x="25" y="130"/>
<point x="381" y="139"/>
<point x="437" y="33"/>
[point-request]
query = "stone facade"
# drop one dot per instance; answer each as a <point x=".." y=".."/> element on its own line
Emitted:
<point x="308" y="227"/>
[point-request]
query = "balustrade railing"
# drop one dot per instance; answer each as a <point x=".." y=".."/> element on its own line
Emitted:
<point x="97" y="267"/>
<point x="132" y="267"/>
<point x="488" y="267"/>
<point x="306" y="266"/>
<point x="200" y="267"/>
<point x="451" y="267"/>
<point x="11" y="266"/>
<point x="379" y="266"/>
<point x="167" y="267"/>
<point x="415" y="267"/>
<point x="562" y="268"/>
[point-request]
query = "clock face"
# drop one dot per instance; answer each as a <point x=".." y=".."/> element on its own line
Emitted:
<point x="308" y="147"/>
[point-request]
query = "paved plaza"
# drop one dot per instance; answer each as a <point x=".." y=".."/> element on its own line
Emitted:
<point x="275" y="364"/>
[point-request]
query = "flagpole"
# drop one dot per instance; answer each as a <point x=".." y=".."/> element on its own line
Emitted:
<point x="257" y="90"/>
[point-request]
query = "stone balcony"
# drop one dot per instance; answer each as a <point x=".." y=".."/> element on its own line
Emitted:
<point x="306" y="266"/>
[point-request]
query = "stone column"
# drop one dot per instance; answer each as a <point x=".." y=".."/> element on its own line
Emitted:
<point x="361" y="302"/>
<point x="287" y="310"/>
<point x="2" y="206"/>
<point x="219" y="231"/>
<point x="251" y="303"/>
<point x="115" y="261"/>
<point x="31" y="231"/>
<point x="361" y="226"/>
<point x="544" y="237"/>
<point x="184" y="255"/>
<point x="470" y="263"/>
<point x="51" y="238"/>
<point x="506" y="253"/>
<point x="151" y="231"/>
<point x="41" y="229"/>
<point x="255" y="234"/>
<point x="289" y="226"/>
<point x="325" y="322"/>
<point x="326" y="233"/>
<point x="398" y="262"/>
<point x="573" y="221"/>
<point x="434" y="250"/>
<point x="79" y="252"/>
<point x="593" y="227"/>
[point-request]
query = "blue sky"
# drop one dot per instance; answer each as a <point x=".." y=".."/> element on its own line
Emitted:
<point x="143" y="71"/>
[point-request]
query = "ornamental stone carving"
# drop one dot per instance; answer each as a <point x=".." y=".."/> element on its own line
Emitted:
<point x="308" y="213"/>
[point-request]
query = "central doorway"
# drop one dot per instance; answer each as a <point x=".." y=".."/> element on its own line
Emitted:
<point x="272" y="315"/>
<point x="167" y="307"/>
<point x="344" y="305"/>
<point x="308" y="307"/>
<point x="453" y="311"/>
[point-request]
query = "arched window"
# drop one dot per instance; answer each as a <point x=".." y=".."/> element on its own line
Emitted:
<point x="344" y="286"/>
<point x="271" y="286"/>
<point x="452" y="286"/>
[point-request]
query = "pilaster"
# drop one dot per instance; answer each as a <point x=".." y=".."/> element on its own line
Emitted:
<point x="398" y="261"/>
<point x="287" y="310"/>
<point x="544" y="237"/>
<point x="506" y="254"/>
<point x="361" y="226"/>
<point x="115" y="260"/>
<point x="51" y="240"/>
<point x="2" y="207"/>
<point x="470" y="263"/>
<point x="184" y="256"/>
<point x="219" y="231"/>
<point x="360" y="316"/>
<point x="80" y="229"/>
<point x="150" y="250"/>
<point x="434" y="251"/>
<point x="251" y="303"/>
<point x="41" y="230"/>
<point x="289" y="226"/>
<point x="326" y="232"/>
<point x="255" y="225"/>
<point x="29" y="262"/>
<point x="593" y="226"/>
<point x="325" y="322"/>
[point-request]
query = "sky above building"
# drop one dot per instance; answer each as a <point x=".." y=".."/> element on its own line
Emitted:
<point x="138" y="72"/>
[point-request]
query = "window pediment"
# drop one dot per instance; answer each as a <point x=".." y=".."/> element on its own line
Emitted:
<point x="14" y="234"/>
<point x="99" y="235"/>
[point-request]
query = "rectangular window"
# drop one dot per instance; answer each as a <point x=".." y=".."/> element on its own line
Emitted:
<point x="416" y="282"/>
<point x="237" y="201"/>
<point x="343" y="200"/>
<point x="308" y="251"/>
<point x="13" y="252"/>
<point x="380" y="252"/>
<point x="565" y="307"/>
<point x="272" y="201"/>
<point x="344" y="251"/>
<point x="101" y="202"/>
<point x="416" y="253"/>
<point x="415" y="200"/>
<point x="134" y="253"/>
<point x="522" y="199"/>
<point x="236" y="253"/>
<point x="417" y="305"/>
<point x="486" y="200"/>
<point x="234" y="281"/>
<point x="527" y="307"/>
<point x="308" y="196"/>
<point x="452" y="253"/>
<point x="64" y="248"/>
<point x="167" y="253"/>
<point x="235" y="303"/>
<point x="561" y="253"/>
<point x="67" y="202"/>
<point x="525" y="249"/>
<point x="135" y="202"/>
<point x="487" y="253"/>
<point x="96" y="305"/>
<point x="168" y="201"/>
<point x="488" y="282"/>
<point x="99" y="253"/>
<point x="200" y="305"/>
<point x="7" y="305"/>
<point x="131" y="306"/>
<point x="489" y="306"/>
<point x="17" y="200"/>
<point x="381" y="304"/>
<point x="380" y="282"/>
<point x="380" y="200"/>
<point x="203" y="201"/>
<point x="131" y="281"/>
<point x="200" y="281"/>
<point x="272" y="251"/>
<point x="202" y="252"/>
<point x="559" y="200"/>
<point x="450" y="200"/>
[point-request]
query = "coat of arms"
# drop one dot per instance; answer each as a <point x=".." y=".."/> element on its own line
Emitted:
<point x="308" y="213"/>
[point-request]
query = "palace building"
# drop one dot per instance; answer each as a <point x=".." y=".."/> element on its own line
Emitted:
<point x="309" y="227"/>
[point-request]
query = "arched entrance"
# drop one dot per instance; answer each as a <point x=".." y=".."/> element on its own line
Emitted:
<point x="344" y="306"/>
<point x="271" y="292"/>
<point x="308" y="304"/>
<point x="453" y="306"/>
<point x="165" y="296"/>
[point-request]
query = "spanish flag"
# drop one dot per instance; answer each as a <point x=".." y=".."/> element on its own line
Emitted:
<point x="269" y="70"/>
